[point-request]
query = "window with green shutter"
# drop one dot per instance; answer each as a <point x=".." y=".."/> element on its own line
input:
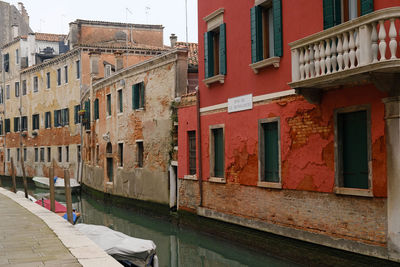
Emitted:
<point x="266" y="30"/>
<point x="35" y="121"/>
<point x="77" y="118"/>
<point x="96" y="109"/>
<point x="338" y="11"/>
<point x="109" y="105"/>
<point x="215" y="52"/>
<point x="352" y="138"/>
<point x="65" y="116"/>
<point x="217" y="153"/>
<point x="138" y="96"/>
<point x="16" y="124"/>
<point x="47" y="120"/>
<point x="7" y="125"/>
<point x="269" y="147"/>
<point x="120" y="101"/>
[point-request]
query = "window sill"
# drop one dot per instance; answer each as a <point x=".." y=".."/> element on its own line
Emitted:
<point x="269" y="185"/>
<point x="108" y="117"/>
<point x="120" y="114"/>
<point x="353" y="192"/>
<point x="190" y="177"/>
<point x="139" y="109"/>
<point x="216" y="78"/>
<point x="272" y="61"/>
<point x="217" y="180"/>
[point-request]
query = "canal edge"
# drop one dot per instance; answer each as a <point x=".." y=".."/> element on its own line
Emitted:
<point x="82" y="248"/>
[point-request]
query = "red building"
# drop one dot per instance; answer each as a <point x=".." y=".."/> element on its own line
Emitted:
<point x="297" y="118"/>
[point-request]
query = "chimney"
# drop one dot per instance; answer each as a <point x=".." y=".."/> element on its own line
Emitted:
<point x="173" y="38"/>
<point x="119" y="61"/>
<point x="15" y="32"/>
<point x="23" y="12"/>
<point x="94" y="62"/>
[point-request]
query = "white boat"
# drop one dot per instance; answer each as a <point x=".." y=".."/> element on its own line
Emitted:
<point x="43" y="182"/>
<point x="127" y="250"/>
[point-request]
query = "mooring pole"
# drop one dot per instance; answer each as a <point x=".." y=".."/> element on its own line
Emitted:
<point x="51" y="186"/>
<point x="68" y="197"/>
<point x="14" y="188"/>
<point x="24" y="177"/>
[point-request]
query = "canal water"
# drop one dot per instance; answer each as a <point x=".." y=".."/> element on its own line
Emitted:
<point x="175" y="246"/>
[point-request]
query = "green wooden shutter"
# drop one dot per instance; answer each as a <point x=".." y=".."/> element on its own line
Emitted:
<point x="354" y="149"/>
<point x="87" y="110"/>
<point x="120" y="100"/>
<point x="136" y="96"/>
<point x="222" y="49"/>
<point x="332" y="13"/>
<point x="141" y="86"/>
<point x="76" y="114"/>
<point x="271" y="150"/>
<point x="218" y="152"/>
<point x="96" y="108"/>
<point x="277" y="18"/>
<point x="66" y="116"/>
<point x="208" y="55"/>
<point x="55" y="119"/>
<point x="46" y="120"/>
<point x="367" y="6"/>
<point x="256" y="34"/>
<point x="133" y="96"/>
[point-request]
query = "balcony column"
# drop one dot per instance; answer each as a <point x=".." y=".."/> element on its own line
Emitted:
<point x="392" y="128"/>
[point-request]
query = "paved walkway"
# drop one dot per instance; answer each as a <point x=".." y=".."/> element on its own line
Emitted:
<point x="33" y="236"/>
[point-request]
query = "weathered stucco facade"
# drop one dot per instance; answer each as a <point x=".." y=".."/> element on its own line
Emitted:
<point x="128" y="148"/>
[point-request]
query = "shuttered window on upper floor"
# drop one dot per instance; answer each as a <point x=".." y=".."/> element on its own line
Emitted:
<point x="339" y="11"/>
<point x="215" y="51"/>
<point x="138" y="96"/>
<point x="266" y="30"/>
<point x="96" y="109"/>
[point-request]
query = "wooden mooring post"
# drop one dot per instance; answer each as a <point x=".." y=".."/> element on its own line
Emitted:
<point x="68" y="197"/>
<point x="51" y="186"/>
<point x="24" y="178"/>
<point x="14" y="186"/>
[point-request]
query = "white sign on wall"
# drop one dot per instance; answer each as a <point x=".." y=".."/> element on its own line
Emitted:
<point x="240" y="103"/>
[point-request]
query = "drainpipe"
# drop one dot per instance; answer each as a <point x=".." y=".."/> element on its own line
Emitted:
<point x="4" y="113"/>
<point x="200" y="178"/>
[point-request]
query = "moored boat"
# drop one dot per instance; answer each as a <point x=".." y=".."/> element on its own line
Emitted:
<point x="59" y="186"/>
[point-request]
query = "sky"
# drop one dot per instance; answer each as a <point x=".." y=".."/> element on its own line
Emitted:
<point x="53" y="16"/>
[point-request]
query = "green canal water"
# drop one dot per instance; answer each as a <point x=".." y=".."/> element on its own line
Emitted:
<point x="181" y="247"/>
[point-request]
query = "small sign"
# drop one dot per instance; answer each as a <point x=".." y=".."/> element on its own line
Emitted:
<point x="240" y="103"/>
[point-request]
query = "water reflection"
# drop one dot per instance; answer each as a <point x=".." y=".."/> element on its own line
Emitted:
<point x="175" y="247"/>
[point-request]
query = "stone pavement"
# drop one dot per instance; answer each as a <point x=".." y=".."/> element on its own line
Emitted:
<point x="30" y="235"/>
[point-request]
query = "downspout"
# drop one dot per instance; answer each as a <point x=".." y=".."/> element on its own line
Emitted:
<point x="80" y="162"/>
<point x="4" y="114"/>
<point x="200" y="178"/>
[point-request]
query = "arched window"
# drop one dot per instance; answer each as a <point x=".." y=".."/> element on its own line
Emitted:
<point x="109" y="148"/>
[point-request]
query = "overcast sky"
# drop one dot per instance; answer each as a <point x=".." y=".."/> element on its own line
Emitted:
<point x="53" y="16"/>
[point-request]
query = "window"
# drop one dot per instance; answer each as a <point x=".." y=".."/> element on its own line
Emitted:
<point x="36" y="154"/>
<point x="47" y="120"/>
<point x="24" y="87"/>
<point x="6" y="62"/>
<point x="7" y="125"/>
<point x="42" y="154"/>
<point x="192" y="152"/>
<point x="25" y="154"/>
<point x="49" y="154"/>
<point x="16" y="89"/>
<point x="48" y="80"/>
<point x="121" y="154"/>
<point x="109" y="105"/>
<point x="58" y="77"/>
<point x="339" y="11"/>
<point x="1" y="95"/>
<point x="87" y="115"/>
<point x="352" y="137"/>
<point x="96" y="109"/>
<point x="8" y="154"/>
<point x="77" y="118"/>
<point x="120" y="103"/>
<point x="17" y="56"/>
<point x="78" y="69"/>
<point x="217" y="163"/>
<point x="215" y="51"/>
<point x="269" y="150"/>
<point x="138" y="95"/>
<point x="1" y="127"/>
<point x="57" y="118"/>
<point x="67" y="153"/>
<point x="7" y="91"/>
<point x="66" y="74"/>
<point x="78" y="152"/>
<point x="108" y="71"/>
<point x="35" y="84"/>
<point x="18" y="154"/>
<point x="140" y="152"/>
<point x="65" y="117"/>
<point x="59" y="154"/>
<point x="24" y="123"/>
<point x="16" y="124"/>
<point x="97" y="153"/>
<point x="35" y="121"/>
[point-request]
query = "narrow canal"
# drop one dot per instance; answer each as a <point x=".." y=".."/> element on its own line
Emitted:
<point x="184" y="247"/>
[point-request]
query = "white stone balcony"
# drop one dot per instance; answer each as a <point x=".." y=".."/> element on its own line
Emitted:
<point x="362" y="50"/>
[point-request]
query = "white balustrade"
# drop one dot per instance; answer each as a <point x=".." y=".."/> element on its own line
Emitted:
<point x="349" y="46"/>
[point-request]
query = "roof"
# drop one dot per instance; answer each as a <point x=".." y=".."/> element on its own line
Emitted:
<point x="122" y="46"/>
<point x="117" y="24"/>
<point x="192" y="52"/>
<point x="49" y="37"/>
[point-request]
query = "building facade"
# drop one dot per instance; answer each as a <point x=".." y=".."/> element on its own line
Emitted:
<point x="295" y="127"/>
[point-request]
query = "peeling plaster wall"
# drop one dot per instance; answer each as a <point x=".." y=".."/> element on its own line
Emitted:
<point x="152" y="125"/>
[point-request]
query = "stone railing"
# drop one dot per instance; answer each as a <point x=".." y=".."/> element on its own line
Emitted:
<point x="367" y="40"/>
